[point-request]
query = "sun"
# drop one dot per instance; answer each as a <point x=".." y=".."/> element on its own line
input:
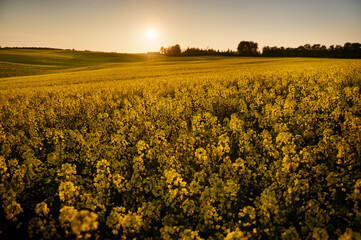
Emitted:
<point x="151" y="34"/>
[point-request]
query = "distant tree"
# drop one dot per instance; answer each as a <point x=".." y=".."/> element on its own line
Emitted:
<point x="175" y="50"/>
<point x="316" y="47"/>
<point x="307" y="47"/>
<point x="171" y="51"/>
<point x="355" y="46"/>
<point x="247" y="48"/>
<point x="351" y="50"/>
<point x="266" y="50"/>
<point x="347" y="46"/>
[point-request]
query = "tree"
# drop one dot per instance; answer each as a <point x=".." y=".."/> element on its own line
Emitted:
<point x="307" y="47"/>
<point x="247" y="48"/>
<point x="316" y="47"/>
<point x="175" y="50"/>
<point x="171" y="51"/>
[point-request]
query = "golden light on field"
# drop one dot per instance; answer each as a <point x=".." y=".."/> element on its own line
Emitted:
<point x="151" y="34"/>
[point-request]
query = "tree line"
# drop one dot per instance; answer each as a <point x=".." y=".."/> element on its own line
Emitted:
<point x="250" y="48"/>
<point x="177" y="51"/>
<point x="348" y="50"/>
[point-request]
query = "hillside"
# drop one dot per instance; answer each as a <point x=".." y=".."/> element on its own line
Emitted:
<point x="22" y="62"/>
<point x="21" y="68"/>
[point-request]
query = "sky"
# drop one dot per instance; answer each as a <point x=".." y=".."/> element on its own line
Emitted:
<point x="123" y="25"/>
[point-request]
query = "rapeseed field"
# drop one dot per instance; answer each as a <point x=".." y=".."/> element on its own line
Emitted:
<point x="121" y="146"/>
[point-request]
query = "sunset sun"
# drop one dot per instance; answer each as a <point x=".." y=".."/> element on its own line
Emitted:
<point x="151" y="34"/>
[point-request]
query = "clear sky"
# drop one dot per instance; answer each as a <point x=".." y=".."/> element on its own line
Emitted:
<point x="124" y="25"/>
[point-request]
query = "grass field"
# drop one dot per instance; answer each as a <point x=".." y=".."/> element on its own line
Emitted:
<point x="22" y="62"/>
<point x="109" y="146"/>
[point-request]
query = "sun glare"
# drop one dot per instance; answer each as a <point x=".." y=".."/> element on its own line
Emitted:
<point x="151" y="34"/>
